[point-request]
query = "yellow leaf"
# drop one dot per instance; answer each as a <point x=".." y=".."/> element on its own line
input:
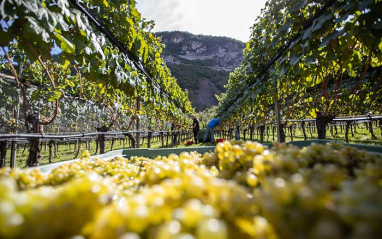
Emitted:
<point x="66" y="64"/>
<point x="313" y="113"/>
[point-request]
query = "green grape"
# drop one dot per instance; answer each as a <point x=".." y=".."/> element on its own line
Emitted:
<point x="212" y="228"/>
<point x="243" y="191"/>
<point x="252" y="180"/>
<point x="168" y="230"/>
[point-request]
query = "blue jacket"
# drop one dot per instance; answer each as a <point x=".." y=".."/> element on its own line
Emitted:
<point x="213" y="123"/>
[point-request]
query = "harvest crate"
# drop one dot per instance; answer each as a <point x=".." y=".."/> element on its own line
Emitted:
<point x="152" y="153"/>
<point x="149" y="153"/>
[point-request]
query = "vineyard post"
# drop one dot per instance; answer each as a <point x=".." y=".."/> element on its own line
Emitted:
<point x="331" y="130"/>
<point x="262" y="130"/>
<point x="3" y="153"/>
<point x="149" y="139"/>
<point x="351" y="129"/>
<point x="278" y="123"/>
<point x="291" y="131"/>
<point x="78" y="148"/>
<point x="138" y="124"/>
<point x="371" y="127"/>
<point x="112" y="144"/>
<point x="348" y="124"/>
<point x="161" y="136"/>
<point x="50" y="150"/>
<point x="13" y="154"/>
<point x="167" y="135"/>
<point x="251" y="129"/>
<point x="335" y="128"/>
<point x="55" y="148"/>
<point x="303" y="129"/>
<point x="310" y="125"/>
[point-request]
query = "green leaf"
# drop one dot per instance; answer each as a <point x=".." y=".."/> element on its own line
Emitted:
<point x="66" y="45"/>
<point x="54" y="95"/>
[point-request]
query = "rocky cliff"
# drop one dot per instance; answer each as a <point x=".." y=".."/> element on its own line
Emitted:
<point x="201" y="63"/>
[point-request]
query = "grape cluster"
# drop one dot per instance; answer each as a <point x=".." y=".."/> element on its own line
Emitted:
<point x="242" y="190"/>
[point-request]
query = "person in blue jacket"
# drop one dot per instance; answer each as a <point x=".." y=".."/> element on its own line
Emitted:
<point x="210" y="128"/>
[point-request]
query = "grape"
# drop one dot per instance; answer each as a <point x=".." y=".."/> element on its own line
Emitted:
<point x="239" y="191"/>
<point x="212" y="228"/>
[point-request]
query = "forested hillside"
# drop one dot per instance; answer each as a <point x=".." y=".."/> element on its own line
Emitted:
<point x="201" y="64"/>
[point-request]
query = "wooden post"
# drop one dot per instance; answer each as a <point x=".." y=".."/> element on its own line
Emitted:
<point x="262" y="131"/>
<point x="371" y="128"/>
<point x="251" y="129"/>
<point x="78" y="148"/>
<point x="303" y="129"/>
<point x="149" y="139"/>
<point x="50" y="150"/>
<point x="335" y="128"/>
<point x="167" y="135"/>
<point x="3" y="153"/>
<point x="278" y="122"/>
<point x="351" y="129"/>
<point x="112" y="144"/>
<point x="13" y="154"/>
<point x="56" y="148"/>
<point x="348" y="123"/>
<point x="137" y="135"/>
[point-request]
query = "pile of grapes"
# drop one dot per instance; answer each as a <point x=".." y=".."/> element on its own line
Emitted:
<point x="238" y="191"/>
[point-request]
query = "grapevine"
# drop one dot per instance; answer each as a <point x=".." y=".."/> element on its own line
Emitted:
<point x="90" y="66"/>
<point x="311" y="59"/>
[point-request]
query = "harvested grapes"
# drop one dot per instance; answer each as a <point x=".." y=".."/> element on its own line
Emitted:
<point x="238" y="191"/>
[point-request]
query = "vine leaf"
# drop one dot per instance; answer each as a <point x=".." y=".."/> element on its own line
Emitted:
<point x="66" y="45"/>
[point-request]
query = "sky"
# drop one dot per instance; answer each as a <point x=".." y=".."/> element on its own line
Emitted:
<point x="230" y="18"/>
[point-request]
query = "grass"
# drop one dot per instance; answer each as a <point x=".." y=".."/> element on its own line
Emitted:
<point x="361" y="136"/>
<point x="68" y="151"/>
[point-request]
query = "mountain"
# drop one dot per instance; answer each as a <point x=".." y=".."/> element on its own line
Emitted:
<point x="201" y="63"/>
